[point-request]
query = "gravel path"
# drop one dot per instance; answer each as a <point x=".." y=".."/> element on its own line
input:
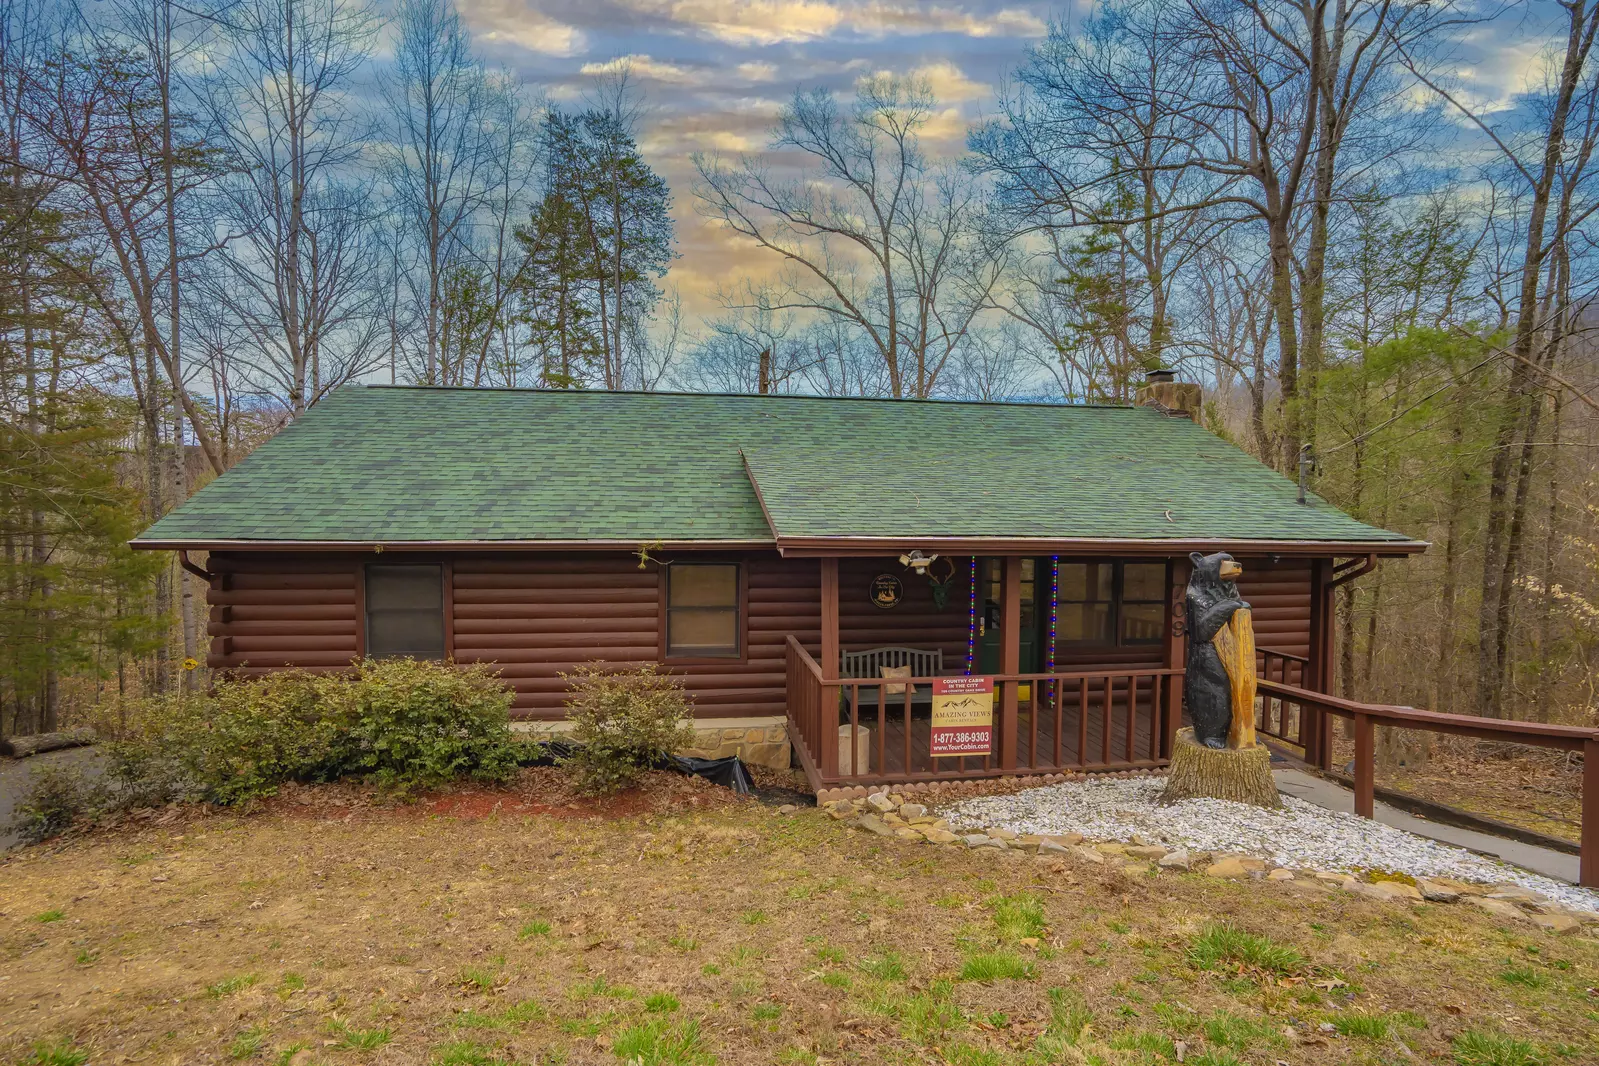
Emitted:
<point x="1301" y="836"/>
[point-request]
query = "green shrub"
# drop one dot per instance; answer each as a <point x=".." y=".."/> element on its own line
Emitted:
<point x="623" y="721"/>
<point x="418" y="724"/>
<point x="403" y="724"/>
<point x="56" y="797"/>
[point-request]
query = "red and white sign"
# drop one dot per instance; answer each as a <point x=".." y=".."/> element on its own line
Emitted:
<point x="963" y="716"/>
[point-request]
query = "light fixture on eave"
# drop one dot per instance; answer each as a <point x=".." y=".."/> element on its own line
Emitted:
<point x="917" y="560"/>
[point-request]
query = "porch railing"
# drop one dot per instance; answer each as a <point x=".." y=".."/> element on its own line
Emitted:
<point x="854" y="731"/>
<point x="1274" y="717"/>
<point x="1366" y="716"/>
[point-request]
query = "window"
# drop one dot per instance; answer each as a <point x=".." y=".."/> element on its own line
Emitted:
<point x="405" y="611"/>
<point x="702" y="611"/>
<point x="1112" y="603"/>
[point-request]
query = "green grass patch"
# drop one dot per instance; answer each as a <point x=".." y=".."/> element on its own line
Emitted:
<point x="1226" y="1029"/>
<point x="531" y="930"/>
<point x="1476" y="1048"/>
<point x="1069" y="1021"/>
<point x="997" y="966"/>
<point x="468" y="1053"/>
<point x="1363" y="1024"/>
<point x="835" y="956"/>
<point x="970" y="1055"/>
<point x="754" y="918"/>
<point x="359" y="1039"/>
<point x="1019" y="917"/>
<point x="834" y="979"/>
<point x="767" y="1012"/>
<point x="51" y="915"/>
<point x="925" y="1017"/>
<point x="229" y="986"/>
<point x="248" y="1044"/>
<point x="884" y="965"/>
<point x="1221" y="945"/>
<point x="662" y="1042"/>
<point x="1523" y="977"/>
<point x="56" y="1053"/>
<point x="661" y="1003"/>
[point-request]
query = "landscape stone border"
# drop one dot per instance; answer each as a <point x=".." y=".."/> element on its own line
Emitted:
<point x="905" y="814"/>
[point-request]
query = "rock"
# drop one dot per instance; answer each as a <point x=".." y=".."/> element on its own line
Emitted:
<point x="1331" y="878"/>
<point x="1001" y="834"/>
<point x="873" y="824"/>
<point x="1230" y="867"/>
<point x="975" y="840"/>
<point x="1049" y="847"/>
<point x="1557" y="922"/>
<point x="909" y="834"/>
<point x="1437" y="891"/>
<point x="1280" y="874"/>
<point x="879" y="802"/>
<point x="1449" y="884"/>
<point x="787" y="808"/>
<point x="1111" y="849"/>
<point x="1500" y="908"/>
<point x="912" y="811"/>
<point x="1176" y="860"/>
<point x="1029" y="840"/>
<point x="894" y="820"/>
<point x="1088" y="855"/>
<point x="941" y="836"/>
<point x="1152" y="852"/>
<point x="1392" y="890"/>
<point x="1065" y="840"/>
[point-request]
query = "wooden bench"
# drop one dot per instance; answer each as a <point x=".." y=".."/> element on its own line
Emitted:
<point x="923" y="662"/>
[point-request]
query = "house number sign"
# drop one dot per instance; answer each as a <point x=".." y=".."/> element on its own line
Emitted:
<point x="887" y="591"/>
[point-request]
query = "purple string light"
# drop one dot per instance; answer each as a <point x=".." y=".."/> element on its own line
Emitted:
<point x="971" y="617"/>
<point x="1054" y="606"/>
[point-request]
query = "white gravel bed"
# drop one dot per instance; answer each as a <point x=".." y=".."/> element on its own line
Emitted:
<point x="1301" y="836"/>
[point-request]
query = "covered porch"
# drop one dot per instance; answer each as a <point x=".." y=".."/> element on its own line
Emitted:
<point x="1086" y="655"/>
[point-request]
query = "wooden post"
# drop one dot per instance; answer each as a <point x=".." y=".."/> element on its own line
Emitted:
<point x="828" y="695"/>
<point x="1317" y="730"/>
<point x="1174" y="651"/>
<point x="1365" y="767"/>
<point x="830" y="652"/>
<point x="1010" y="658"/>
<point x="1588" y="863"/>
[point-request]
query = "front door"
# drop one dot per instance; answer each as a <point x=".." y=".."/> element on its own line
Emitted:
<point x="990" y="613"/>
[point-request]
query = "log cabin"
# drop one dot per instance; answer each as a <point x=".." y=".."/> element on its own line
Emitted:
<point x="783" y="555"/>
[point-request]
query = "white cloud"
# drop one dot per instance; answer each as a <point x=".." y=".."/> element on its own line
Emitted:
<point x="756" y="71"/>
<point x="949" y="83"/>
<point x="517" y="23"/>
<point x="768" y="22"/>
<point x="646" y="69"/>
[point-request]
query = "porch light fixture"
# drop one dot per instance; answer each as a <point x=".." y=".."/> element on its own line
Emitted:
<point x="917" y="561"/>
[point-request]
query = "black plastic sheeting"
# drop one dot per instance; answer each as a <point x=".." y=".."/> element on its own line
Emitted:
<point x="729" y="772"/>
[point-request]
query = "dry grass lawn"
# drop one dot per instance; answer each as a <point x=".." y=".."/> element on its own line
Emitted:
<point x="726" y="933"/>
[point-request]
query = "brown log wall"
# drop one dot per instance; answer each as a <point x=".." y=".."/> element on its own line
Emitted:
<point x="539" y="614"/>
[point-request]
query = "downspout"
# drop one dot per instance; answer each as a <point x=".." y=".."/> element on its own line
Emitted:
<point x="194" y="568"/>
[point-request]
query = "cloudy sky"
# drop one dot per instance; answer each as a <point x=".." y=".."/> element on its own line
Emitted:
<point x="714" y="73"/>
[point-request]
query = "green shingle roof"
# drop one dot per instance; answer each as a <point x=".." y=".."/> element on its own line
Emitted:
<point x="395" y="465"/>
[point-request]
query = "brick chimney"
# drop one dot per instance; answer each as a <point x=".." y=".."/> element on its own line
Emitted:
<point x="1162" y="391"/>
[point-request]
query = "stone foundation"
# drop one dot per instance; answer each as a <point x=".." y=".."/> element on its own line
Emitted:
<point x="758" y="741"/>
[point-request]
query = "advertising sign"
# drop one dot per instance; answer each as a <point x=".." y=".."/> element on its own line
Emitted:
<point x="963" y="716"/>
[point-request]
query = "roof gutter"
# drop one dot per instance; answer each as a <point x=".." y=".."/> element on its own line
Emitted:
<point x="841" y="546"/>
<point x="186" y="545"/>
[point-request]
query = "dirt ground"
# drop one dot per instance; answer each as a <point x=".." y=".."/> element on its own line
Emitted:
<point x="1541" y="791"/>
<point x="679" y="925"/>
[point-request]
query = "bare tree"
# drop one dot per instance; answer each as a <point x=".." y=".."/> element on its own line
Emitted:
<point x="439" y="163"/>
<point x="298" y="274"/>
<point x="877" y="237"/>
<point x="1540" y="165"/>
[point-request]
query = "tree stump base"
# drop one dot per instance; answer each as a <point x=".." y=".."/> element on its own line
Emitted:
<point x="1242" y="775"/>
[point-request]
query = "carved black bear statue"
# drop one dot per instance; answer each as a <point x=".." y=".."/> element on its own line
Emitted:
<point x="1212" y="600"/>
